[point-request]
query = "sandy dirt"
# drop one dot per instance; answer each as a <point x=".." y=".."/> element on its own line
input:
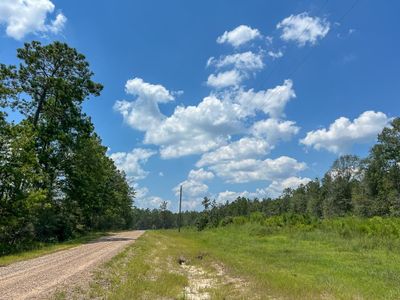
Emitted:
<point x="38" y="278"/>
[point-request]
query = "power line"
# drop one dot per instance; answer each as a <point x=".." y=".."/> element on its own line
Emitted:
<point x="307" y="55"/>
<point x="298" y="37"/>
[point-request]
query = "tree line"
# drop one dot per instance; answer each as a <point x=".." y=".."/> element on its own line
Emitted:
<point x="352" y="187"/>
<point x="56" y="180"/>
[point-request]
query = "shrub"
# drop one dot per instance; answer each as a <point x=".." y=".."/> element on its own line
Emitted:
<point x="257" y="217"/>
<point x="226" y="221"/>
<point x="240" y="220"/>
<point x="202" y="222"/>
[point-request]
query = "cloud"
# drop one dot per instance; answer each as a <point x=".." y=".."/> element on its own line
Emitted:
<point x="230" y="196"/>
<point x="247" y="61"/>
<point x="131" y="162"/>
<point x="200" y="175"/>
<point x="247" y="170"/>
<point x="271" y="101"/>
<point x="141" y="89"/>
<point x="57" y="25"/>
<point x="200" y="128"/>
<point x="244" y="148"/>
<point x="239" y="36"/>
<point x="140" y="192"/>
<point x="303" y="29"/>
<point x="195" y="129"/>
<point x="343" y="133"/>
<point x="194" y="186"/>
<point x="225" y="79"/>
<point x="276" y="188"/>
<point x="143" y="200"/>
<point x="273" y="130"/>
<point x="29" y="16"/>
<point x="151" y="202"/>
<point x="266" y="134"/>
<point x="276" y="54"/>
<point x="243" y="64"/>
<point x="191" y="204"/>
<point x="144" y="113"/>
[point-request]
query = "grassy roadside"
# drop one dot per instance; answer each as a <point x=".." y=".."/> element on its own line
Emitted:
<point x="245" y="262"/>
<point x="311" y="264"/>
<point x="151" y="269"/>
<point x="45" y="248"/>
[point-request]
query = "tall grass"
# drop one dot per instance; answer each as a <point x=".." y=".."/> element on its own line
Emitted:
<point x="299" y="257"/>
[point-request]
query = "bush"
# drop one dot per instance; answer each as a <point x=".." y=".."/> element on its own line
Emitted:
<point x="239" y="220"/>
<point x="257" y="217"/>
<point x="202" y="222"/>
<point x="226" y="221"/>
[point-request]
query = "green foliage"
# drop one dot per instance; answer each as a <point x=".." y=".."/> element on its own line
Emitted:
<point x="56" y="180"/>
<point x="202" y="222"/>
<point x="257" y="217"/>
<point x="226" y="221"/>
<point x="239" y="220"/>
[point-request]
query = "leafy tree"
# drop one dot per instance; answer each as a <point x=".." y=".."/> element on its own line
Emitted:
<point x="298" y="203"/>
<point x="55" y="177"/>
<point x="383" y="171"/>
<point x="338" y="185"/>
<point x="314" y="198"/>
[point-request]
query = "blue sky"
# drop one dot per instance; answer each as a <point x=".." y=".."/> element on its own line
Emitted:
<point x="227" y="98"/>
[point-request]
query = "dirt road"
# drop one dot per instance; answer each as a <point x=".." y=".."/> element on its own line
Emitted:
<point x="37" y="278"/>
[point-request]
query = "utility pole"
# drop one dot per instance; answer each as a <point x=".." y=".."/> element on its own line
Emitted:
<point x="180" y="210"/>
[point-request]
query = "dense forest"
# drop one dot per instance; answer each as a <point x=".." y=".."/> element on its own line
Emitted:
<point x="56" y="180"/>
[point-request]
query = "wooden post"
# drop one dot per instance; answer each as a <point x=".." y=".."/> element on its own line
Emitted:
<point x="180" y="210"/>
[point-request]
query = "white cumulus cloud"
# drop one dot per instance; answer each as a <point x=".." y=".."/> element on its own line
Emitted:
<point x="273" y="130"/>
<point x="276" y="188"/>
<point x="195" y="129"/>
<point x="248" y="61"/>
<point x="273" y="190"/>
<point x="225" y="79"/>
<point x="246" y="147"/>
<point x="242" y="64"/>
<point x="303" y="29"/>
<point x="239" y="36"/>
<point x="247" y="170"/>
<point x="194" y="185"/>
<point x="200" y="175"/>
<point x="266" y="134"/>
<point x="343" y="133"/>
<point x="230" y="196"/>
<point x="22" y="17"/>
<point x="276" y="54"/>
<point x="143" y="113"/>
<point x="200" y="128"/>
<point x="271" y="101"/>
<point x="132" y="162"/>
<point x="155" y="92"/>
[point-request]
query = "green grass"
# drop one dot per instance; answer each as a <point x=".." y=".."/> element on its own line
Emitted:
<point x="306" y="264"/>
<point x="142" y="271"/>
<point x="149" y="269"/>
<point x="46" y="248"/>
<point x="327" y="260"/>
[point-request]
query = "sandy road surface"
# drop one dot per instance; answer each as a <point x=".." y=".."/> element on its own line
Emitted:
<point x="38" y="277"/>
